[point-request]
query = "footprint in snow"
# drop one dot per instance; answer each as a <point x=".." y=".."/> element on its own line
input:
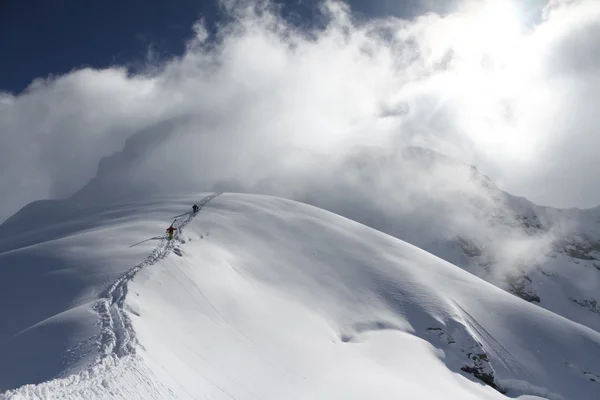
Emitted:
<point x="178" y="252"/>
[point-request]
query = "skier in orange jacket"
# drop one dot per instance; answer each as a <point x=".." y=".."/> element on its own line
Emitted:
<point x="170" y="230"/>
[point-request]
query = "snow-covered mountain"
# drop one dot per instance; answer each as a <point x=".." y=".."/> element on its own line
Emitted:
<point x="547" y="256"/>
<point x="544" y="255"/>
<point x="260" y="297"/>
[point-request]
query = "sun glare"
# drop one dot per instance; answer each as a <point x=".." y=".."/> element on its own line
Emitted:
<point x="489" y="29"/>
<point x="489" y="39"/>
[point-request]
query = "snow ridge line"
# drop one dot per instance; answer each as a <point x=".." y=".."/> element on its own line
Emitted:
<point x="117" y="336"/>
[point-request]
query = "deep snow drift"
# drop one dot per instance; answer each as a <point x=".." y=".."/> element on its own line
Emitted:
<point x="260" y="297"/>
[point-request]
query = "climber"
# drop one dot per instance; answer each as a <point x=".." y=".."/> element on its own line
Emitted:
<point x="170" y="230"/>
<point x="195" y="208"/>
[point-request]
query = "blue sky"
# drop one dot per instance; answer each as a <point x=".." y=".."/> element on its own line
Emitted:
<point x="55" y="37"/>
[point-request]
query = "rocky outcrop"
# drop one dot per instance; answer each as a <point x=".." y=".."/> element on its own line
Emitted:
<point x="521" y="286"/>
<point x="590" y="304"/>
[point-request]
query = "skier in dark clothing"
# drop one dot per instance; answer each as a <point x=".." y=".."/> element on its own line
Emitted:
<point x="170" y="230"/>
<point x="195" y="208"/>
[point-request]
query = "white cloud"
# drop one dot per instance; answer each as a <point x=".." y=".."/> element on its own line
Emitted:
<point x="276" y="109"/>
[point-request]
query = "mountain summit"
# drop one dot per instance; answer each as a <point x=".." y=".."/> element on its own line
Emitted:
<point x="426" y="263"/>
<point x="260" y="297"/>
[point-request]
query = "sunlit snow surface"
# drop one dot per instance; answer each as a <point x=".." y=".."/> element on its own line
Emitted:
<point x="262" y="298"/>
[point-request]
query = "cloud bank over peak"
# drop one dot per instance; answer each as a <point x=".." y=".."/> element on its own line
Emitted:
<point x="264" y="105"/>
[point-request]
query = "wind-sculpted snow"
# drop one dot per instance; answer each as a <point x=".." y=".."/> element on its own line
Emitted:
<point x="285" y="289"/>
<point x="265" y="298"/>
<point x="112" y="378"/>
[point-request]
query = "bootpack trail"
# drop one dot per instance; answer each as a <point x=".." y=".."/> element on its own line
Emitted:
<point x="116" y="340"/>
<point x="117" y="336"/>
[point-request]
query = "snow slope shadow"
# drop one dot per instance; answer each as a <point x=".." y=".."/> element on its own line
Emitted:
<point x="53" y="280"/>
<point x="32" y="348"/>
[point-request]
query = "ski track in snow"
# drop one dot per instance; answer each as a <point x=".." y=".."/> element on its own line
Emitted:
<point x="117" y="337"/>
<point x="117" y="333"/>
<point x="491" y="345"/>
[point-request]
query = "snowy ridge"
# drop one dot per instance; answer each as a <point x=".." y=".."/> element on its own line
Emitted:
<point x="117" y="333"/>
<point x="118" y="371"/>
<point x="266" y="298"/>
